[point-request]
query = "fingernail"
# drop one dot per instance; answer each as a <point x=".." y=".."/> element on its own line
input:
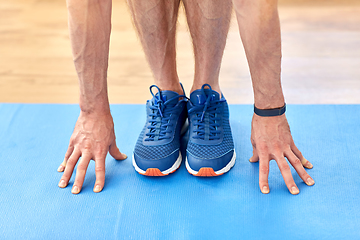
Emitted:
<point x="62" y="184"/>
<point x="124" y="155"/>
<point x="309" y="165"/>
<point x="294" y="190"/>
<point x="310" y="181"/>
<point x="265" y="189"/>
<point x="75" y="190"/>
<point x="61" y="168"/>
<point x="97" y="188"/>
<point x="306" y="163"/>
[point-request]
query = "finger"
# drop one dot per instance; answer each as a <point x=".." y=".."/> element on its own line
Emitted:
<point x="255" y="156"/>
<point x="286" y="173"/>
<point x="70" y="165"/>
<point x="296" y="163"/>
<point x="67" y="155"/>
<point x="264" y="174"/>
<point x="61" y="168"/>
<point x="100" y="174"/>
<point x="304" y="161"/>
<point x="80" y="173"/>
<point x="115" y="152"/>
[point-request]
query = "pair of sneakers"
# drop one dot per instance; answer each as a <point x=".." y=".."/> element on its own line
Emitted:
<point x="210" y="149"/>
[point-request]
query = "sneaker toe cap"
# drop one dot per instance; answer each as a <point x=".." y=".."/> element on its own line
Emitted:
<point x="216" y="163"/>
<point x="162" y="164"/>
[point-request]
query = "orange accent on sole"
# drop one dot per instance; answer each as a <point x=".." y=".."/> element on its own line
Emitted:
<point x="155" y="172"/>
<point x="207" y="172"/>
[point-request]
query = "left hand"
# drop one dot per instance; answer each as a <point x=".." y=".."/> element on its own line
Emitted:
<point x="271" y="139"/>
<point x="92" y="139"/>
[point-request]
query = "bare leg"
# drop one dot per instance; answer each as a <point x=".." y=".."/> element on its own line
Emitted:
<point x="209" y="22"/>
<point x="155" y="22"/>
<point x="210" y="150"/>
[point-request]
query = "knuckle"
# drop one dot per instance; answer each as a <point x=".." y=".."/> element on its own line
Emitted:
<point x="264" y="169"/>
<point x="296" y="150"/>
<point x="262" y="148"/>
<point x="277" y="151"/>
<point x="72" y="161"/>
<point x="100" y="152"/>
<point x="304" y="175"/>
<point x="66" y="176"/>
<point x="67" y="155"/>
<point x="297" y="161"/>
<point x="99" y="169"/>
<point x="87" y="147"/>
<point x="284" y="167"/>
<point x="276" y="154"/>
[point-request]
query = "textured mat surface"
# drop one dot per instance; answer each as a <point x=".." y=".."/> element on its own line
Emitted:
<point x="34" y="138"/>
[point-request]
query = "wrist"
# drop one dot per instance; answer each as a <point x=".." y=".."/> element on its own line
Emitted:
<point x="271" y="112"/>
<point x="268" y="94"/>
<point x="269" y="102"/>
<point x="100" y="106"/>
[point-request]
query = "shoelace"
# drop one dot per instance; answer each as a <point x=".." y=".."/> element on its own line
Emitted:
<point x="160" y="116"/>
<point x="206" y="127"/>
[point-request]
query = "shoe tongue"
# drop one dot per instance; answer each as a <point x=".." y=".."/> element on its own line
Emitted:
<point x="198" y="98"/>
<point x="166" y="95"/>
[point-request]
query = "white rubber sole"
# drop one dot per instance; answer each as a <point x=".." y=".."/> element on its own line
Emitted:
<point x="219" y="172"/>
<point x="173" y="168"/>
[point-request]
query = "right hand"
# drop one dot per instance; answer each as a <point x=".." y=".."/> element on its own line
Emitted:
<point x="271" y="139"/>
<point x="92" y="139"/>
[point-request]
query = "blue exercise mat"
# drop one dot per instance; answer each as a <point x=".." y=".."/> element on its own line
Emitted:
<point x="34" y="138"/>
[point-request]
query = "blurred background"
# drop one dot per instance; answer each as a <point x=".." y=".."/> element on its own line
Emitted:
<point x="320" y="38"/>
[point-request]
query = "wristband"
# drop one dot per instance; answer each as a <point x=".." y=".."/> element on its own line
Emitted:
<point x="270" y="112"/>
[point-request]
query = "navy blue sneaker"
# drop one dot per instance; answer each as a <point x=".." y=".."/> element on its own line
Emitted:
<point x="210" y="150"/>
<point x="157" y="150"/>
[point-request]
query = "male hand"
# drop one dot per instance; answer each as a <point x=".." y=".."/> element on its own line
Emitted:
<point x="92" y="139"/>
<point x="271" y="139"/>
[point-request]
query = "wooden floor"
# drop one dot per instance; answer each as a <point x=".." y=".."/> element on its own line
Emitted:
<point x="321" y="55"/>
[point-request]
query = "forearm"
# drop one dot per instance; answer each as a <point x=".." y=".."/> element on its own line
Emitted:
<point x="260" y="33"/>
<point x="90" y="26"/>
